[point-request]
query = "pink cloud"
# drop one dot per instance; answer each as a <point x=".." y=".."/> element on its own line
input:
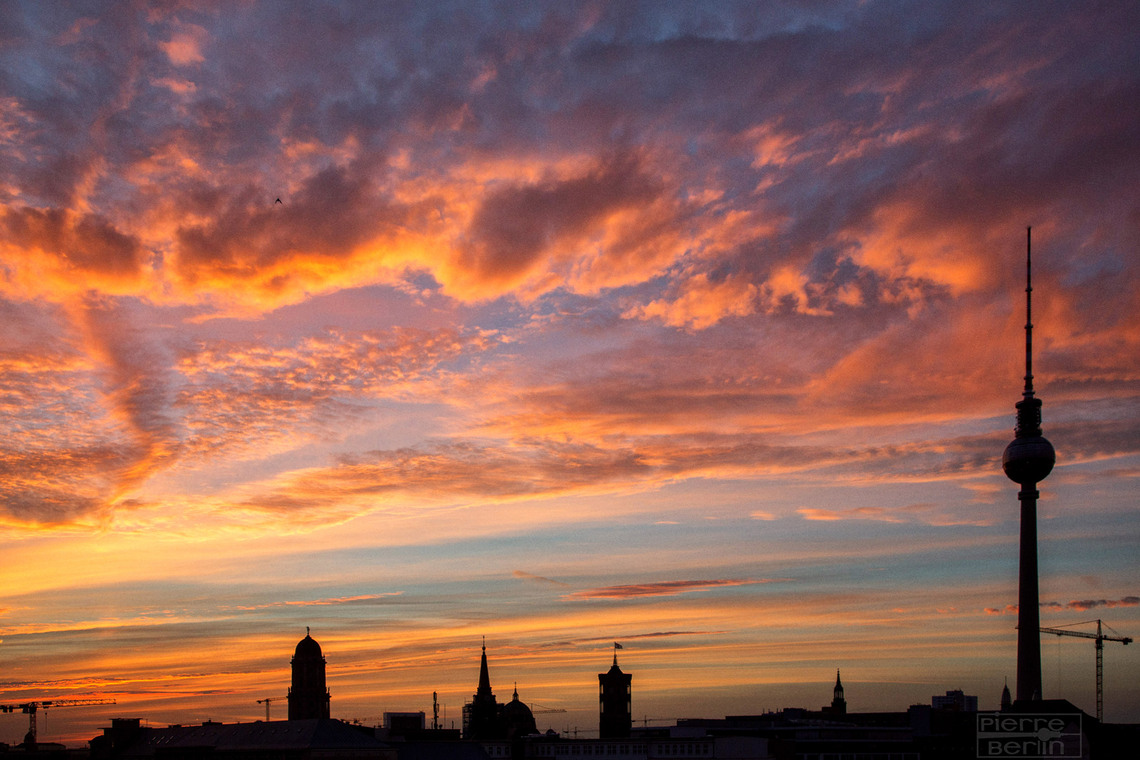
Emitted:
<point x="185" y="45"/>
<point x="663" y="588"/>
<point x="538" y="578"/>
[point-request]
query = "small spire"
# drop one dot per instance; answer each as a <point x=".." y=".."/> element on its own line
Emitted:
<point x="306" y="630"/>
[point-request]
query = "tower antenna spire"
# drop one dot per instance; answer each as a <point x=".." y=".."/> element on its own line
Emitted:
<point x="1028" y="393"/>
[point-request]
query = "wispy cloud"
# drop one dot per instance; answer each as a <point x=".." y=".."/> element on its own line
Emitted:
<point x="1076" y="604"/>
<point x="664" y="588"/>
<point x="537" y="578"/>
<point x="331" y="602"/>
<point x="928" y="514"/>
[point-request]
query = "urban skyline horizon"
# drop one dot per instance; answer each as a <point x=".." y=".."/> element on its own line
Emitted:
<point x="451" y="712"/>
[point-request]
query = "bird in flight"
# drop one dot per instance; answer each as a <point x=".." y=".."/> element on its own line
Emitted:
<point x="278" y="201"/>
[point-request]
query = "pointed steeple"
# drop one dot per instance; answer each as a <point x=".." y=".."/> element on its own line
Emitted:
<point x="484" y="689"/>
<point x="838" y="703"/>
<point x="481" y="715"/>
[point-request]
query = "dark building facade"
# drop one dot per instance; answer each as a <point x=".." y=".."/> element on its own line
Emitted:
<point x="615" y="698"/>
<point x="276" y="740"/>
<point x="308" y="696"/>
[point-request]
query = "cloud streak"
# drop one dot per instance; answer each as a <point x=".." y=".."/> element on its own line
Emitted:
<point x="662" y="588"/>
<point x="1080" y="605"/>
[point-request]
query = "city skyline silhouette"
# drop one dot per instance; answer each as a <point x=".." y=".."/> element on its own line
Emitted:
<point x="689" y="326"/>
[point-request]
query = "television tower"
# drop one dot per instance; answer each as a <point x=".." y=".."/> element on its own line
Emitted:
<point x="1027" y="460"/>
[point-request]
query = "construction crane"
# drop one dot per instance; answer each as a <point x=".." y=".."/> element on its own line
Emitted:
<point x="537" y="709"/>
<point x="31" y="708"/>
<point x="1100" y="638"/>
<point x="266" y="702"/>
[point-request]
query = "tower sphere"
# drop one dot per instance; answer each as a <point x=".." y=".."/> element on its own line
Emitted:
<point x="1028" y="460"/>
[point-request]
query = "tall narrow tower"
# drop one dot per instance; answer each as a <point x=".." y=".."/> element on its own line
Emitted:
<point x="838" y="703"/>
<point x="1027" y="460"/>
<point x="615" y="720"/>
<point x="308" y="696"/>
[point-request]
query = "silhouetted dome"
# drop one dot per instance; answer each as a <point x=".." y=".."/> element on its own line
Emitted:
<point x="307" y="648"/>
<point x="518" y="718"/>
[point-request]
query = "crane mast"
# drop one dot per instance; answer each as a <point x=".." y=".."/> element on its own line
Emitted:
<point x="267" y="702"/>
<point x="1100" y="638"/>
<point x="31" y="708"/>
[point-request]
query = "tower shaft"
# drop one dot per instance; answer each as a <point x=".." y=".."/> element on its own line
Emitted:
<point x="1028" y="602"/>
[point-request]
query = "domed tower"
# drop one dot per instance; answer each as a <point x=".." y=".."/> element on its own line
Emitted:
<point x="308" y="696"/>
<point x="1027" y="460"/>
<point x="615" y="698"/>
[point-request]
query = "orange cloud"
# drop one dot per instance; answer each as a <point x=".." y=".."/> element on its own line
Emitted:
<point x="331" y="602"/>
<point x="928" y="514"/>
<point x="518" y="226"/>
<point x="701" y="303"/>
<point x="184" y="47"/>
<point x="52" y="250"/>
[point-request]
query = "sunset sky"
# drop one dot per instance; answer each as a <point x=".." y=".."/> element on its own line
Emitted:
<point x="692" y="326"/>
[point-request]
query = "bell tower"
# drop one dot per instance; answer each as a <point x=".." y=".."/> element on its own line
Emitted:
<point x="615" y="698"/>
<point x="838" y="703"/>
<point x="308" y="696"/>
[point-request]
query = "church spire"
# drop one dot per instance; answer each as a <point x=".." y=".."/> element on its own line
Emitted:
<point x="484" y="689"/>
<point x="838" y="703"/>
